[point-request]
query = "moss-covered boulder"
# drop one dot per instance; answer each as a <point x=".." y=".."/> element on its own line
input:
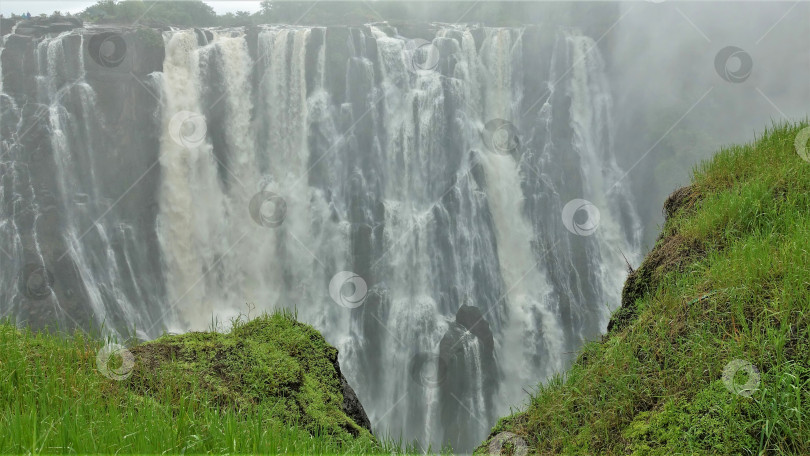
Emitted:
<point x="273" y="362"/>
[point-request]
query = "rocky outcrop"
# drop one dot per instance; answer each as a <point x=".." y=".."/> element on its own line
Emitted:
<point x="472" y="320"/>
<point x="6" y="25"/>
<point x="351" y="403"/>
<point x="671" y="252"/>
<point x="272" y="361"/>
<point x="37" y="26"/>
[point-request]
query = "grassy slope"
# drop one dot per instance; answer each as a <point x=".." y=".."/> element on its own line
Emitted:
<point x="267" y="386"/>
<point x="728" y="279"/>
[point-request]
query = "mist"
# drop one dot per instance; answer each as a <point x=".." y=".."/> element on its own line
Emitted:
<point x="673" y="108"/>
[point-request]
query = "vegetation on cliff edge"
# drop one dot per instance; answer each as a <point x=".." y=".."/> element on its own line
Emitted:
<point x="726" y="288"/>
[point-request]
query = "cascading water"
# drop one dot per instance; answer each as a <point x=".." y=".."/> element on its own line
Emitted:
<point x="448" y="178"/>
<point x="63" y="230"/>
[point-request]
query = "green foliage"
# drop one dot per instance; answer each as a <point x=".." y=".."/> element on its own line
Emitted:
<point x="713" y="421"/>
<point x="268" y="386"/>
<point x="154" y="13"/>
<point x="728" y="280"/>
<point x="195" y="13"/>
<point x="151" y="38"/>
<point x="238" y="19"/>
<point x="273" y="361"/>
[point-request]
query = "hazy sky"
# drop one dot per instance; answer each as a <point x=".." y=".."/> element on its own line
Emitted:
<point x="75" y="6"/>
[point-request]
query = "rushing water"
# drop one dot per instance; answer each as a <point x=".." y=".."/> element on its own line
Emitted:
<point x="473" y="169"/>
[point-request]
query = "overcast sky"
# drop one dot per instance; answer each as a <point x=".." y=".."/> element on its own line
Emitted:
<point x="36" y="7"/>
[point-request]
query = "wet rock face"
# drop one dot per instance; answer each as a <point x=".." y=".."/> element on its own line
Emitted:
<point x="351" y="404"/>
<point x="472" y="320"/>
<point x="469" y="376"/>
<point x="6" y="24"/>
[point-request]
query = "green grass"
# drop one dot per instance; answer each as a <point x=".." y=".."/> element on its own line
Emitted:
<point x="729" y="279"/>
<point x="268" y="386"/>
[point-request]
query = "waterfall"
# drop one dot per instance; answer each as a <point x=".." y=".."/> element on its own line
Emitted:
<point x="64" y="236"/>
<point x="420" y="202"/>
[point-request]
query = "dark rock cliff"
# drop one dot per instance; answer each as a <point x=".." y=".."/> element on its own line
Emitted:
<point x="462" y="378"/>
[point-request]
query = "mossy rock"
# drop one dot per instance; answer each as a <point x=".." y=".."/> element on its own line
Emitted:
<point x="671" y="253"/>
<point x="273" y="361"/>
